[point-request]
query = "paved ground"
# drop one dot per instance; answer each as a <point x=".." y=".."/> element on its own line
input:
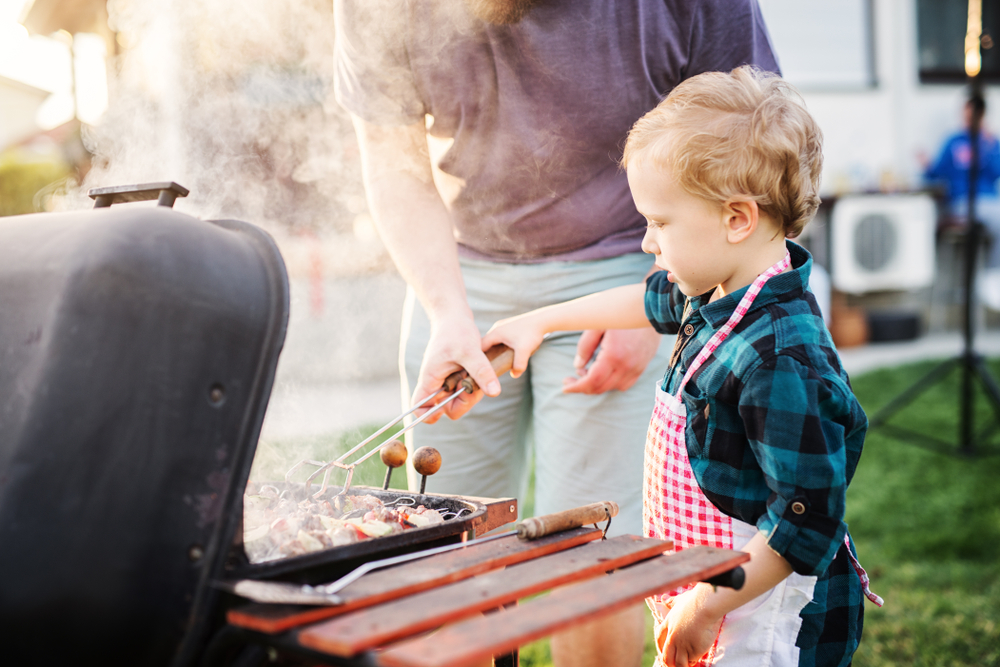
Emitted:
<point x="303" y="411"/>
<point x="937" y="346"/>
<point x="338" y="367"/>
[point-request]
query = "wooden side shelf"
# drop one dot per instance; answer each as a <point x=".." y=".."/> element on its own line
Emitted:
<point x="409" y="578"/>
<point x="375" y="626"/>
<point x="458" y="608"/>
<point x="465" y="643"/>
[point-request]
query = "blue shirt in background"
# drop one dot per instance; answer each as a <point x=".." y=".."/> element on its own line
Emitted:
<point x="952" y="167"/>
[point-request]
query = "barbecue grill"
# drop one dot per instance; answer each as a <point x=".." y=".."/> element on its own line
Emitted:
<point x="138" y="347"/>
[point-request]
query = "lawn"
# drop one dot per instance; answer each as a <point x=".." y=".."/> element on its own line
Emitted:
<point x="926" y="524"/>
<point x="927" y="527"/>
<point x="274" y="458"/>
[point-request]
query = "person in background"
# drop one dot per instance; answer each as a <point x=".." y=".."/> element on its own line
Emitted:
<point x="490" y="133"/>
<point x="951" y="171"/>
<point x="756" y="433"/>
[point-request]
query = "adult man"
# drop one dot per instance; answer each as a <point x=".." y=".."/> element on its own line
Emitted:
<point x="490" y="132"/>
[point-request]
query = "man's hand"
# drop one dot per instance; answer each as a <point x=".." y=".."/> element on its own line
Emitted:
<point x="688" y="631"/>
<point x="623" y="357"/>
<point x="454" y="344"/>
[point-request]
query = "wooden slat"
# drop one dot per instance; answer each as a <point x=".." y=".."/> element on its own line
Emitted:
<point x="470" y="641"/>
<point x="375" y="626"/>
<point x="408" y="578"/>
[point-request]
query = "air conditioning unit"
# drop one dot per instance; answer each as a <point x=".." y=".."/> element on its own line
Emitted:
<point x="882" y="242"/>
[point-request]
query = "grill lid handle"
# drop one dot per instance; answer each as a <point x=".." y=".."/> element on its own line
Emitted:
<point x="164" y="193"/>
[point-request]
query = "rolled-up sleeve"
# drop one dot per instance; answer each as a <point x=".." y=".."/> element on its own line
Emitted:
<point x="797" y="422"/>
<point x="728" y="33"/>
<point x="372" y="77"/>
<point x="664" y="303"/>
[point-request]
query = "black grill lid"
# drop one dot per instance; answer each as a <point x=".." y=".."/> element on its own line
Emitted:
<point x="137" y="352"/>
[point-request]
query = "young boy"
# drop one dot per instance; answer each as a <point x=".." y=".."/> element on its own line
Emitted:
<point x="756" y="432"/>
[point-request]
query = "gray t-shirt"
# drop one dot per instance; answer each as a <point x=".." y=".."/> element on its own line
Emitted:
<point x="531" y="118"/>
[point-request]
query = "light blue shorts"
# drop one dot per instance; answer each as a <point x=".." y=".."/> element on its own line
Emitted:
<point x="587" y="448"/>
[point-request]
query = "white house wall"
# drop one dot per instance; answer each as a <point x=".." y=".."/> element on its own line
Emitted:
<point x="873" y="134"/>
<point x="19" y="103"/>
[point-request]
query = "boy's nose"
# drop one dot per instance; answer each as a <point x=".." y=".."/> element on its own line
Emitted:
<point x="648" y="244"/>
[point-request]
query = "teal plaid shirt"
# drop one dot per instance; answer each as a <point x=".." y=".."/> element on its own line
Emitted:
<point x="773" y="427"/>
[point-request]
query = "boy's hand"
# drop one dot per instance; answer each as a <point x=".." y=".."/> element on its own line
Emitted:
<point x="688" y="631"/>
<point x="523" y="334"/>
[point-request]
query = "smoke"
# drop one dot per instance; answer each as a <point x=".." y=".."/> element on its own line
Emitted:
<point x="233" y="100"/>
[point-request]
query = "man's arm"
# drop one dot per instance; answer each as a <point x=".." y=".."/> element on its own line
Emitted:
<point x="416" y="228"/>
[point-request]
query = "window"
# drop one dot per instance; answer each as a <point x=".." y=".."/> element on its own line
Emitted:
<point x="941" y="27"/>
<point x="822" y="44"/>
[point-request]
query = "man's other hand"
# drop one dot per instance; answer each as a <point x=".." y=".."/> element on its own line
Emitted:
<point x="623" y="356"/>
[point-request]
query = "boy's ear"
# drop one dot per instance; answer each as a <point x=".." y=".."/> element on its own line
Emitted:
<point x="741" y="219"/>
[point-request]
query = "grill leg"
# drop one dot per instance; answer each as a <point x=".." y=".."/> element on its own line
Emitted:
<point x="509" y="660"/>
<point x="229" y="647"/>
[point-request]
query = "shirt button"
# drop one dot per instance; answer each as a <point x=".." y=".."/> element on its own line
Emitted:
<point x="798" y="507"/>
<point x="688" y="329"/>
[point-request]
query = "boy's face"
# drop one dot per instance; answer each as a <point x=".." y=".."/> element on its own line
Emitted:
<point x="686" y="234"/>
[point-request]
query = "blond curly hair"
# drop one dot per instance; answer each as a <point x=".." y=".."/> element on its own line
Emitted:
<point x="742" y="135"/>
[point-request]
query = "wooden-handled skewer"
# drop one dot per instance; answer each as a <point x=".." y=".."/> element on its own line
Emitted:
<point x="539" y="526"/>
<point x="426" y="461"/>
<point x="393" y="455"/>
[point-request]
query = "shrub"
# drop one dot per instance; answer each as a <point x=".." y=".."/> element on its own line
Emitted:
<point x="27" y="180"/>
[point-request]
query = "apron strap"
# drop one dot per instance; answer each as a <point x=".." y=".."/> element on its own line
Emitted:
<point x="716" y="340"/>
<point x="862" y="575"/>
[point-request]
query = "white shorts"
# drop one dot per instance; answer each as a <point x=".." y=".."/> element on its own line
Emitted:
<point x="762" y="632"/>
<point x="586" y="448"/>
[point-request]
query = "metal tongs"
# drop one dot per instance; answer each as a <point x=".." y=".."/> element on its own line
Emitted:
<point x="501" y="359"/>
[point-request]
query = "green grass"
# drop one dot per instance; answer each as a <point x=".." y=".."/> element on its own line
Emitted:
<point x="273" y="459"/>
<point x="927" y="527"/>
<point x="926" y="524"/>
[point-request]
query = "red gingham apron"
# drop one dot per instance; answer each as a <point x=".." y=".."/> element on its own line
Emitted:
<point x="674" y="506"/>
